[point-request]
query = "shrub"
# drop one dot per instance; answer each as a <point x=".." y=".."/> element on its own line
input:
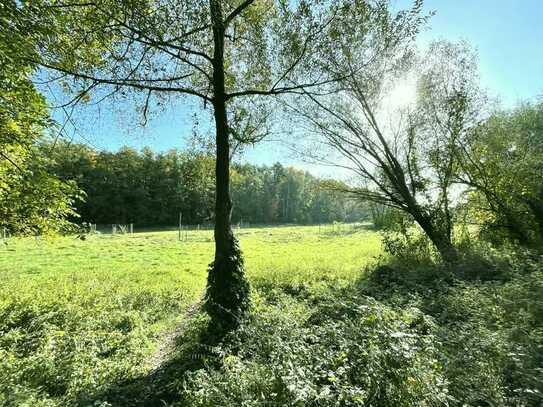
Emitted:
<point x="342" y="351"/>
<point x="489" y="318"/>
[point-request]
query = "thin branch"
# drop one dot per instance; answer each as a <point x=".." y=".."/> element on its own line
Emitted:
<point x="295" y="89"/>
<point x="132" y="83"/>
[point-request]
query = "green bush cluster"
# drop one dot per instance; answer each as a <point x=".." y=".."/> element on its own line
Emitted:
<point x="489" y="316"/>
<point x="325" y="352"/>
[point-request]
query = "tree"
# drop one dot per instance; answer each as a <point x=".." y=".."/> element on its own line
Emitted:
<point x="31" y="200"/>
<point x="403" y="157"/>
<point x="502" y="166"/>
<point x="226" y="53"/>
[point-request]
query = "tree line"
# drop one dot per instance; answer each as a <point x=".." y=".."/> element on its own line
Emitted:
<point x="152" y="189"/>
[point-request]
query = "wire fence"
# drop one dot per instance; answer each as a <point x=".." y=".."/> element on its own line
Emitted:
<point x="203" y="230"/>
<point x="185" y="231"/>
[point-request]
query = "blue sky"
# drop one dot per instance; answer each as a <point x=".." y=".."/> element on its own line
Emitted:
<point x="508" y="35"/>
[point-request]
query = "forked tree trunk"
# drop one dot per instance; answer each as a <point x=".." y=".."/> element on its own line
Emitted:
<point x="227" y="288"/>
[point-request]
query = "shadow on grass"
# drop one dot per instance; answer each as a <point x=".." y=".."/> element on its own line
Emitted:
<point x="194" y="348"/>
<point x="422" y="276"/>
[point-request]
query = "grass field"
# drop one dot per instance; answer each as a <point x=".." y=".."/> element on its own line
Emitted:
<point x="87" y="322"/>
<point x="78" y="314"/>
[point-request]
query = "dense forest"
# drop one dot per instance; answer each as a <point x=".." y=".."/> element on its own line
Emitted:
<point x="152" y="189"/>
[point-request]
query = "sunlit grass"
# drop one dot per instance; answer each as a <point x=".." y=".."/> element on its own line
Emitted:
<point x="76" y="314"/>
<point x="158" y="260"/>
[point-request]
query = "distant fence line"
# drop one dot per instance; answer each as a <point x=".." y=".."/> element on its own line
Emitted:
<point x="183" y="229"/>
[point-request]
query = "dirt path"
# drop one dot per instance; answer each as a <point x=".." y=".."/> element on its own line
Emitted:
<point x="168" y="340"/>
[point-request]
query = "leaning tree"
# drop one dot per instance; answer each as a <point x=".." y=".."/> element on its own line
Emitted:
<point x="230" y="54"/>
<point x="404" y="157"/>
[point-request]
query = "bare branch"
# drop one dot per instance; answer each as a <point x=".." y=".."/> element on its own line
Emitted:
<point x="295" y="89"/>
<point x="132" y="83"/>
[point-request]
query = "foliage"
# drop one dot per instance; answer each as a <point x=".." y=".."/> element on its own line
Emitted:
<point x="383" y="217"/>
<point x="31" y="200"/>
<point x="502" y="166"/>
<point x="410" y="246"/>
<point x="151" y="189"/>
<point x="326" y="352"/>
<point x="488" y="321"/>
<point x="227" y="294"/>
<point x="411" y="331"/>
<point x="49" y="345"/>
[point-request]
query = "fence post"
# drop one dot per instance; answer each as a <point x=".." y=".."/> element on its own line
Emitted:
<point x="131" y="228"/>
<point x="180" y="220"/>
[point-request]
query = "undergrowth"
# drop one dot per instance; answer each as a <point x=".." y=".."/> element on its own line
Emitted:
<point x="489" y="316"/>
<point x="408" y="332"/>
<point x="323" y="352"/>
<point x="470" y="335"/>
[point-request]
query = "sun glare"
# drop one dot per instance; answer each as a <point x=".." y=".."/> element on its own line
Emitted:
<point x="402" y="95"/>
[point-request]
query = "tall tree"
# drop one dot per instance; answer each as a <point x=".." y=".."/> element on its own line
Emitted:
<point x="226" y="53"/>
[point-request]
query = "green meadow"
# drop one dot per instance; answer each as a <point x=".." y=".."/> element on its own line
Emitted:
<point x="114" y="320"/>
<point x="76" y="315"/>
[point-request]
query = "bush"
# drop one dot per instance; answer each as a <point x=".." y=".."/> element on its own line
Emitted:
<point x="56" y="352"/>
<point x="489" y="318"/>
<point x="341" y="351"/>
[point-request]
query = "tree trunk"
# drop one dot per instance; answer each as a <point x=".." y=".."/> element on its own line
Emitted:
<point x="441" y="240"/>
<point x="446" y="249"/>
<point x="227" y="289"/>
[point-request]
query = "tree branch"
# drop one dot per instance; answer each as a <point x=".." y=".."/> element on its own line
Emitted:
<point x="237" y="11"/>
<point x="132" y="83"/>
<point x="298" y="89"/>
